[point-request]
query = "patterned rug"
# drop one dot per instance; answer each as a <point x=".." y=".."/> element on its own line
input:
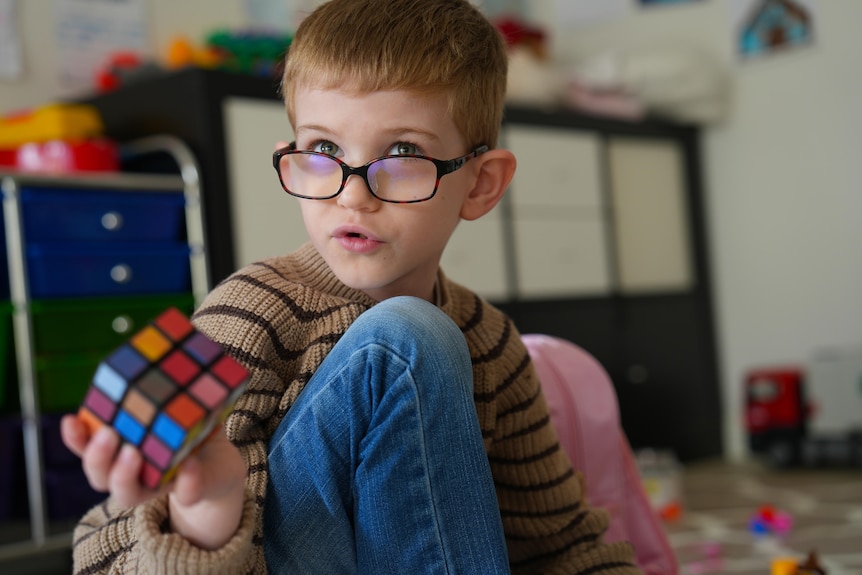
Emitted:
<point x="739" y="519"/>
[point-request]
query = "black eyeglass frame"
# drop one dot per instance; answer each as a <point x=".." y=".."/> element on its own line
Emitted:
<point x="443" y="167"/>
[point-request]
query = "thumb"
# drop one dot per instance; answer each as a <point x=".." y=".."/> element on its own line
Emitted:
<point x="188" y="484"/>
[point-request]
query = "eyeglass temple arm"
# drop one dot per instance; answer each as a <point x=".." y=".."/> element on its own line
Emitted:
<point x="452" y="165"/>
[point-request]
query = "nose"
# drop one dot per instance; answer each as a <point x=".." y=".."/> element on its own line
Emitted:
<point x="356" y="194"/>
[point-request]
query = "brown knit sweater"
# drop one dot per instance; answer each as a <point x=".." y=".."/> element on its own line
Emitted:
<point x="280" y="318"/>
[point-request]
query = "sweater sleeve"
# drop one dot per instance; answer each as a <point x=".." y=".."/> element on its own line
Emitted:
<point x="548" y="525"/>
<point x="113" y="540"/>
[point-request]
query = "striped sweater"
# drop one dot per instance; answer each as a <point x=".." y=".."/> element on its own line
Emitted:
<point x="280" y="318"/>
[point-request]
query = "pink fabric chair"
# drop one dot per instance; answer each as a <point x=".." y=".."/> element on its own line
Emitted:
<point x="584" y="411"/>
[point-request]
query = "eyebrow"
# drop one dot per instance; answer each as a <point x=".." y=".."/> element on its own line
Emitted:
<point x="395" y="133"/>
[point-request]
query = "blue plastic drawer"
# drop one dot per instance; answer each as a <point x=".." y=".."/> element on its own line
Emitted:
<point x="72" y="270"/>
<point x="4" y="264"/>
<point x="52" y="214"/>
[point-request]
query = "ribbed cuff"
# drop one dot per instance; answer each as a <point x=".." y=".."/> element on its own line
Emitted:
<point x="165" y="553"/>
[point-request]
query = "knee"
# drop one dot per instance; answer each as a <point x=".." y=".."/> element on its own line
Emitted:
<point x="411" y="319"/>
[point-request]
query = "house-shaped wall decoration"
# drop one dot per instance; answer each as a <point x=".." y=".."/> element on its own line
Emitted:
<point x="775" y="24"/>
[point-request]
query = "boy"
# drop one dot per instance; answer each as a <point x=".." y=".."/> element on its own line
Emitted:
<point x="356" y="446"/>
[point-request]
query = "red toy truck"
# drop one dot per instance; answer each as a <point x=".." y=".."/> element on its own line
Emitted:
<point x="810" y="415"/>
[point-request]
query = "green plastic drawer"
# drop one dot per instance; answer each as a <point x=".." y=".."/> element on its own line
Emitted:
<point x="63" y="380"/>
<point x="96" y="324"/>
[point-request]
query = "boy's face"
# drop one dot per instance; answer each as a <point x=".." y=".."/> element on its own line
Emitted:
<point x="381" y="248"/>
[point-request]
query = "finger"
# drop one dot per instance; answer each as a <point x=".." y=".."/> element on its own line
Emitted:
<point x="98" y="457"/>
<point x="74" y="434"/>
<point x="281" y="144"/>
<point x="124" y="479"/>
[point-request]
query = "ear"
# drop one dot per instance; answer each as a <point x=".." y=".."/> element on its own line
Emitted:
<point x="493" y="172"/>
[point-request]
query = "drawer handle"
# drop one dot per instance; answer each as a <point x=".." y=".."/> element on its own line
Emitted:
<point x="112" y="221"/>
<point x="121" y="273"/>
<point x="122" y="324"/>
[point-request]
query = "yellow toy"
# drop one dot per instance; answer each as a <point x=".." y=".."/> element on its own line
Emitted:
<point x="50" y="122"/>
<point x="182" y="53"/>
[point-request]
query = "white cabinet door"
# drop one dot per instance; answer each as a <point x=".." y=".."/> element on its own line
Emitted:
<point x="556" y="168"/>
<point x="653" y="248"/>
<point x="559" y="218"/>
<point x="475" y="256"/>
<point x="266" y="220"/>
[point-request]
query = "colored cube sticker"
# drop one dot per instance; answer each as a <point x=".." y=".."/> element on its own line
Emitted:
<point x="164" y="391"/>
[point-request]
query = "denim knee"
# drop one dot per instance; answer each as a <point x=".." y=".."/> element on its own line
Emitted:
<point x="415" y="327"/>
<point x="413" y="316"/>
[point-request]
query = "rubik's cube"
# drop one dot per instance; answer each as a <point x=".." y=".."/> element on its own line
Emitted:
<point x="164" y="391"/>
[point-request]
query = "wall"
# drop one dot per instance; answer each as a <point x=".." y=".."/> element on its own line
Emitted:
<point x="782" y="176"/>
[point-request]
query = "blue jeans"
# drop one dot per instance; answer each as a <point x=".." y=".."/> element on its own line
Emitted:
<point x="379" y="466"/>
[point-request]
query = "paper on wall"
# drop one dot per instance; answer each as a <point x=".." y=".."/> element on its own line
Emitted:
<point x="90" y="31"/>
<point x="10" y="42"/>
<point x="278" y="15"/>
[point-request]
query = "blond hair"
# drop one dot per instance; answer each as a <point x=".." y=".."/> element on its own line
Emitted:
<point x="426" y="46"/>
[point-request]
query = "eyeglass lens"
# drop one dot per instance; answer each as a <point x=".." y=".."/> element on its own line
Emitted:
<point x="393" y="178"/>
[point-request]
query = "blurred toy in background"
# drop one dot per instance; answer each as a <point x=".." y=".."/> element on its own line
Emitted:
<point x="808" y="414"/>
<point x="770" y="521"/>
<point x="245" y="52"/>
<point x="811" y="566"/>
<point x="533" y="78"/>
<point x="790" y="566"/>
<point x="250" y="52"/>
<point x="662" y="477"/>
<point x="56" y="138"/>
<point x="50" y="122"/>
<point x="58" y="156"/>
<point x="675" y="82"/>
<point x="182" y="53"/>
<point x="123" y="68"/>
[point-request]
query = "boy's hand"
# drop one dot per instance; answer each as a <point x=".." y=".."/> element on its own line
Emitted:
<point x="206" y="496"/>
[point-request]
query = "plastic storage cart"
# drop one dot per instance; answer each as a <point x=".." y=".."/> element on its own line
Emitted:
<point x="91" y="258"/>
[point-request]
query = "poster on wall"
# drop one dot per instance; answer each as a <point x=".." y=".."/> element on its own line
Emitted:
<point x="90" y="32"/>
<point x="278" y="15"/>
<point x="766" y="27"/>
<point x="10" y="42"/>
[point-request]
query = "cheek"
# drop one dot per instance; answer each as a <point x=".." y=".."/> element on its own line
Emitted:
<point x="311" y="213"/>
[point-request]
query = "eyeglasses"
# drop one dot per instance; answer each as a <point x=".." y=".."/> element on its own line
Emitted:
<point x="401" y="179"/>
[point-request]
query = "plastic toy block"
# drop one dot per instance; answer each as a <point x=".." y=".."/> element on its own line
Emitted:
<point x="65" y="156"/>
<point x="164" y="391"/>
<point x="50" y="122"/>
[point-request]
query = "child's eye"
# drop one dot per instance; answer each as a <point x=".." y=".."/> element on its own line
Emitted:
<point x="325" y="147"/>
<point x="405" y="149"/>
